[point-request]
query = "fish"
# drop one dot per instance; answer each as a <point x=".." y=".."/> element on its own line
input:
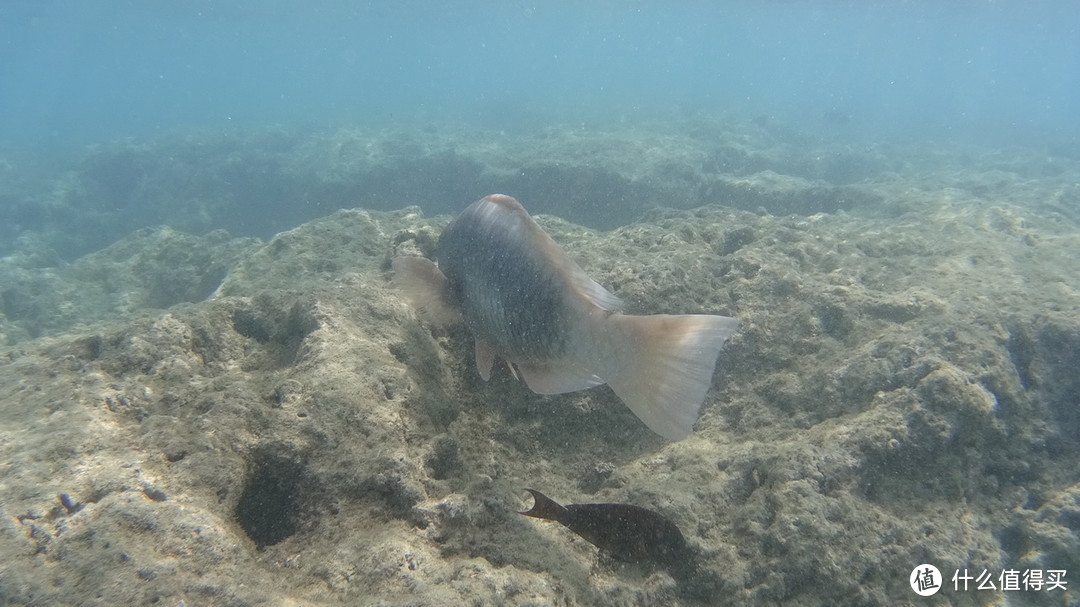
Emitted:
<point x="524" y="300"/>
<point x="627" y="532"/>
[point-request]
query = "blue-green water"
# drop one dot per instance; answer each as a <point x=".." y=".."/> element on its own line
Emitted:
<point x="85" y="71"/>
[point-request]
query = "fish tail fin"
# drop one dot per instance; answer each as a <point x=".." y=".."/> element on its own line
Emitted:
<point x="425" y="286"/>
<point x="662" y="365"/>
<point x="545" y="507"/>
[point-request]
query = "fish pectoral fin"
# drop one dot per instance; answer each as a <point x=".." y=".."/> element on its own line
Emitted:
<point x="426" y="287"/>
<point x="485" y="359"/>
<point x="555" y="378"/>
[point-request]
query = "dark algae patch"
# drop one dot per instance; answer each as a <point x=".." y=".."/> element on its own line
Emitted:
<point x="272" y="499"/>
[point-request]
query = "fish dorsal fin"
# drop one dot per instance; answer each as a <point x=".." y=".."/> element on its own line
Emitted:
<point x="589" y="288"/>
<point x="566" y="268"/>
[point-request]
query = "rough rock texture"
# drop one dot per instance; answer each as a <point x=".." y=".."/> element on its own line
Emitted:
<point x="903" y="390"/>
<point x="259" y="183"/>
<point x="151" y="268"/>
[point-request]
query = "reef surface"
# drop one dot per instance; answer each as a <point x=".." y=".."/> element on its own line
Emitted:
<point x="206" y="419"/>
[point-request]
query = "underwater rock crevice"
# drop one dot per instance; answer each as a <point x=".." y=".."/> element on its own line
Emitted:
<point x="277" y="497"/>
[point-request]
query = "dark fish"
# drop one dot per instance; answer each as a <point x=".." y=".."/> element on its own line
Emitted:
<point x="524" y="300"/>
<point x="628" y="533"/>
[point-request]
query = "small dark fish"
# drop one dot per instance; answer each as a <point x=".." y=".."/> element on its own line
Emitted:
<point x="524" y="300"/>
<point x="628" y="533"/>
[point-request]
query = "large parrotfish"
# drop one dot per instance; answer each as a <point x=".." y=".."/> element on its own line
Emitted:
<point x="525" y="301"/>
